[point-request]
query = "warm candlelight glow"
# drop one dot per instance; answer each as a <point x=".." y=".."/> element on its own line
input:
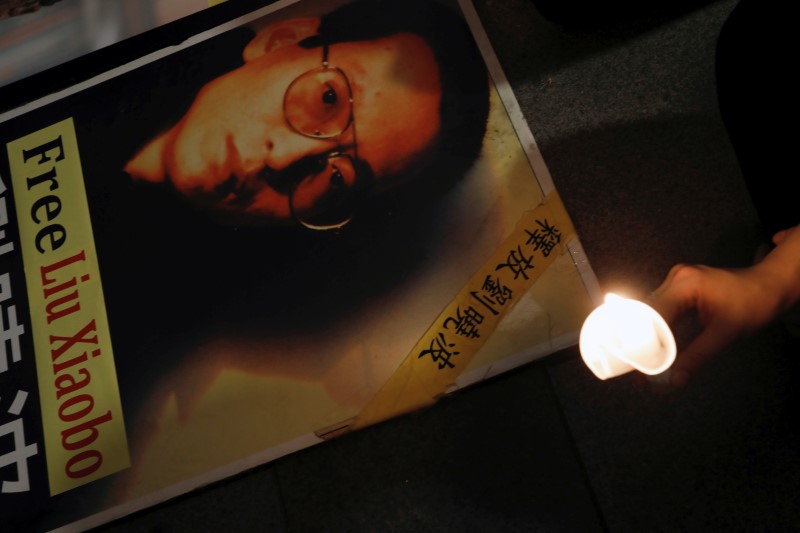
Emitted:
<point x="622" y="335"/>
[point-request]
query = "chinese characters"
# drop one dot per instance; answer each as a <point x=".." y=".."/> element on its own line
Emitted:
<point x="485" y="303"/>
<point x="14" y="463"/>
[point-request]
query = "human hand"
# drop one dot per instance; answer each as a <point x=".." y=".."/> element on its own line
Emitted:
<point x="729" y="303"/>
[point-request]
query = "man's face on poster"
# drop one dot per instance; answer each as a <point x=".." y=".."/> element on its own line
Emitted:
<point x="297" y="134"/>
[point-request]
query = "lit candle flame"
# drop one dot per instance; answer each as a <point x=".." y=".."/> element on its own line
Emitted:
<point x="623" y="335"/>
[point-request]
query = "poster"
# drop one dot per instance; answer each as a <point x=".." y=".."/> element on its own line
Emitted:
<point x="289" y="227"/>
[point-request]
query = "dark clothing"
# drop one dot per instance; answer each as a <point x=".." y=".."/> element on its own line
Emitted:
<point x="753" y="86"/>
<point x="753" y="65"/>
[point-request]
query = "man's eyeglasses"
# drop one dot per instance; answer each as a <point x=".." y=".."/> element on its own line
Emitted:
<point x="319" y="104"/>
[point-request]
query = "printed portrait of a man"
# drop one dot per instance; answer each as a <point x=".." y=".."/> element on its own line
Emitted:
<point x="280" y="192"/>
<point x="280" y="212"/>
<point x="326" y="111"/>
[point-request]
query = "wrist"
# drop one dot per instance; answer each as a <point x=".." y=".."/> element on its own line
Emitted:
<point x="779" y="275"/>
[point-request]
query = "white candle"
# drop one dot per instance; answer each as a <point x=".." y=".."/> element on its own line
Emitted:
<point x="622" y="335"/>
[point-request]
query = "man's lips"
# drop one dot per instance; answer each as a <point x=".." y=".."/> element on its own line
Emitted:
<point x="244" y="192"/>
<point x="239" y="191"/>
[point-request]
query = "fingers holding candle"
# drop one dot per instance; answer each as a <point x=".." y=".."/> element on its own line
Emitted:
<point x="728" y="303"/>
<point x="688" y="289"/>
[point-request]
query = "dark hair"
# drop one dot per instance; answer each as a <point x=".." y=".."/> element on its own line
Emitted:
<point x="464" y="80"/>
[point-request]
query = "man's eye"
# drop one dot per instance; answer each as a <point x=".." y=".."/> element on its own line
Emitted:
<point x="329" y="97"/>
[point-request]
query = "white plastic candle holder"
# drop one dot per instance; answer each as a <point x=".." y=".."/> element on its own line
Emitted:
<point x="623" y="335"/>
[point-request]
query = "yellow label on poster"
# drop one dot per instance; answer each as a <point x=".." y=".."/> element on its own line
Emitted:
<point x="84" y="431"/>
<point x="465" y="325"/>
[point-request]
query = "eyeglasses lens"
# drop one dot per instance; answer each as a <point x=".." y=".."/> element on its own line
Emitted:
<point x="317" y="103"/>
<point x="326" y="200"/>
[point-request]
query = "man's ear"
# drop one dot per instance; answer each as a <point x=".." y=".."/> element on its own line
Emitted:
<point x="278" y="34"/>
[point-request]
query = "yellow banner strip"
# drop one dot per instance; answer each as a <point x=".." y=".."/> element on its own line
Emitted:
<point x="84" y="432"/>
<point x="469" y="320"/>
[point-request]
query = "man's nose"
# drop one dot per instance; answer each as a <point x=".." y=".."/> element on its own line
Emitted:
<point x="278" y="149"/>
